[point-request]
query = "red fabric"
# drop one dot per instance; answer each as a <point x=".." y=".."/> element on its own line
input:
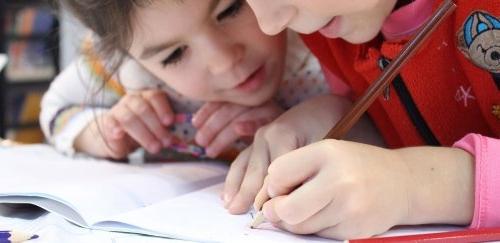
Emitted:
<point x="434" y="76"/>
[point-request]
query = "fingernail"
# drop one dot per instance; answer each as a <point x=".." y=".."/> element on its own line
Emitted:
<point x="210" y="153"/>
<point x="155" y="147"/>
<point x="199" y="139"/>
<point x="227" y="200"/>
<point x="194" y="121"/>
<point x="227" y="197"/>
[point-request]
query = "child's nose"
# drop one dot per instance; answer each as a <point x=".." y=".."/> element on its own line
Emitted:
<point x="224" y="56"/>
<point x="272" y="16"/>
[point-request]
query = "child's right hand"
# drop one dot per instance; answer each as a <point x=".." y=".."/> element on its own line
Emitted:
<point x="138" y="119"/>
<point x="301" y="125"/>
<point x="347" y="190"/>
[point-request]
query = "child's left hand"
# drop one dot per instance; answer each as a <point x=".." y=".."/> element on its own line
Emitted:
<point x="221" y="124"/>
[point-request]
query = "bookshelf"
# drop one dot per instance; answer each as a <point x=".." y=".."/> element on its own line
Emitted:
<point x="29" y="36"/>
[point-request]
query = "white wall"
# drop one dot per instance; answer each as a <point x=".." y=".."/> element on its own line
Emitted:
<point x="71" y="33"/>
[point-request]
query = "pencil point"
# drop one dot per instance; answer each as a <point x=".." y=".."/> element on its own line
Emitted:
<point x="259" y="219"/>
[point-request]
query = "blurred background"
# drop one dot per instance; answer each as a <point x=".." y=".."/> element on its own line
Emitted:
<point x="38" y="42"/>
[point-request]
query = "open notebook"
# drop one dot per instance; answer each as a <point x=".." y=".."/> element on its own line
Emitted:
<point x="175" y="200"/>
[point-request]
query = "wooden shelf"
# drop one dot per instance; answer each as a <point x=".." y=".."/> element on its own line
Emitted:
<point x="28" y="85"/>
<point x="22" y="125"/>
<point x="35" y="37"/>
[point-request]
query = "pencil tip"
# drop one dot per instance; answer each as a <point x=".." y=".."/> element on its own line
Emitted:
<point x="259" y="219"/>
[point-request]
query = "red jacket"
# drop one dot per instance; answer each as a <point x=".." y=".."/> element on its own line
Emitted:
<point x="450" y="88"/>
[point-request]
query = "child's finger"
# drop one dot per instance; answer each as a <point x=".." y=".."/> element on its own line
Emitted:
<point x="235" y="176"/>
<point x="261" y="197"/>
<point x="216" y="122"/>
<point x="253" y="179"/>
<point x="221" y="142"/>
<point x="311" y="193"/>
<point x="159" y="101"/>
<point x="269" y="210"/>
<point x="145" y="113"/>
<point x="136" y="129"/>
<point x="116" y="141"/>
<point x="111" y="127"/>
<point x="204" y="113"/>
<point x="327" y="217"/>
<point x="246" y="128"/>
<point x="119" y="148"/>
<point x="249" y="122"/>
<point x="297" y="163"/>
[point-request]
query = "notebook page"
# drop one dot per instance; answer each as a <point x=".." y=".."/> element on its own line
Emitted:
<point x="99" y="189"/>
<point x="200" y="216"/>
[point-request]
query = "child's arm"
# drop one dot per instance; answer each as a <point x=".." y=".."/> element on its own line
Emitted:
<point x="73" y="100"/>
<point x="345" y="190"/>
<point x="82" y="112"/>
<point x="486" y="152"/>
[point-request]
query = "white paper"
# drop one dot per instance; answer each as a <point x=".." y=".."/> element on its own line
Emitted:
<point x="96" y="189"/>
<point x="176" y="200"/>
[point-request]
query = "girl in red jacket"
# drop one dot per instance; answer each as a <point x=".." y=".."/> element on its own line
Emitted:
<point x="441" y="123"/>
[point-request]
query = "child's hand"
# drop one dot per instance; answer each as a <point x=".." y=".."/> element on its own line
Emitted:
<point x="138" y="119"/>
<point x="303" y="124"/>
<point x="337" y="189"/>
<point x="221" y="124"/>
<point x="345" y="190"/>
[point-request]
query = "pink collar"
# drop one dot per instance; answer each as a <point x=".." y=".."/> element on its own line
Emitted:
<point x="406" y="20"/>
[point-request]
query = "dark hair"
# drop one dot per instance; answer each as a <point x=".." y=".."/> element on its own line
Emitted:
<point x="111" y="21"/>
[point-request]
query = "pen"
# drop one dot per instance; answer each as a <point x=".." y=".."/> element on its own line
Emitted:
<point x="465" y="236"/>
<point x="13" y="236"/>
<point x="375" y="89"/>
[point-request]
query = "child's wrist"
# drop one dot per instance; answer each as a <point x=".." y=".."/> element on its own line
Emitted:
<point x="440" y="185"/>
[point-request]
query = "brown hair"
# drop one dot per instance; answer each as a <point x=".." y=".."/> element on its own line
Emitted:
<point x="110" y="20"/>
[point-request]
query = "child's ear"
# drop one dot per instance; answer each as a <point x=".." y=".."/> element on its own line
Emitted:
<point x="461" y="44"/>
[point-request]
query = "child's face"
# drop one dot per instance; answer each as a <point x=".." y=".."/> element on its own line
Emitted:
<point x="355" y="21"/>
<point x="210" y="50"/>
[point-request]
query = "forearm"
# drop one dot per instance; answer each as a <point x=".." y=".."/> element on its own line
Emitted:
<point x="74" y="99"/>
<point x="440" y="185"/>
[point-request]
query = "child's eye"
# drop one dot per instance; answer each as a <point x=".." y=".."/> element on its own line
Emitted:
<point x="175" y="57"/>
<point x="232" y="10"/>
